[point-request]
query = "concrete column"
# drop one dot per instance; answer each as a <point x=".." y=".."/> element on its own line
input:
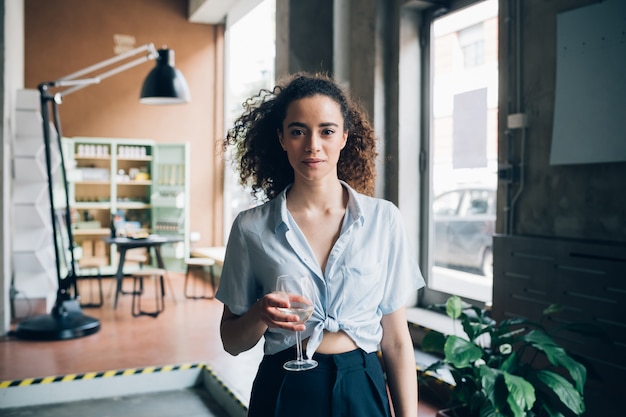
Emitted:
<point x="357" y="42"/>
<point x="304" y="36"/>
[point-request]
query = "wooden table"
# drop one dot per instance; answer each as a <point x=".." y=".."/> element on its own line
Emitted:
<point x="214" y="252"/>
<point x="124" y="243"/>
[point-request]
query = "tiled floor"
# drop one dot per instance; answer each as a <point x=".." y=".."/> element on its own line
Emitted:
<point x="186" y="332"/>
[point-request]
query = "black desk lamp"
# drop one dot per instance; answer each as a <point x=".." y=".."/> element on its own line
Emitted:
<point x="163" y="85"/>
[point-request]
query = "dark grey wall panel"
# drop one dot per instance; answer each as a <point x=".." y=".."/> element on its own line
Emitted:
<point x="589" y="280"/>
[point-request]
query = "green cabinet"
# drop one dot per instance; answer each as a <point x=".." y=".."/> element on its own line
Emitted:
<point x="170" y="200"/>
<point x="144" y="183"/>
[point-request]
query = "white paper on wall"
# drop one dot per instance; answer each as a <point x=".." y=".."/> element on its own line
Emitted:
<point x="590" y="98"/>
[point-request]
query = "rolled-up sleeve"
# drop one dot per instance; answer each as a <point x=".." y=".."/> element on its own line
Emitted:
<point x="237" y="288"/>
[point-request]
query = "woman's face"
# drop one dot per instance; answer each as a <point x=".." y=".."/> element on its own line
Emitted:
<point x="313" y="136"/>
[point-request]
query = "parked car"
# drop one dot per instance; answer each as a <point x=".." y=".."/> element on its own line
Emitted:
<point x="464" y="226"/>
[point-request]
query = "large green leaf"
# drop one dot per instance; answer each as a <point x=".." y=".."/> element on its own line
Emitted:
<point x="539" y="338"/>
<point x="461" y="353"/>
<point x="473" y="330"/>
<point x="518" y="394"/>
<point x="489" y="377"/>
<point x="564" y="390"/>
<point x="577" y="371"/>
<point x="511" y="363"/>
<point x="433" y="342"/>
<point x="454" y="307"/>
<point x="558" y="357"/>
<point x="476" y="315"/>
<point x="521" y="394"/>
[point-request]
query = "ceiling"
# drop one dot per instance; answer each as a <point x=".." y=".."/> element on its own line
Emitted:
<point x="214" y="11"/>
<point x="209" y="11"/>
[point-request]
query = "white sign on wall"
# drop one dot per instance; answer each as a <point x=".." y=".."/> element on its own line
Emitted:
<point x="590" y="102"/>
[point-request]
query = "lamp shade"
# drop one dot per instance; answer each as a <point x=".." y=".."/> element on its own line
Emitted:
<point x="165" y="84"/>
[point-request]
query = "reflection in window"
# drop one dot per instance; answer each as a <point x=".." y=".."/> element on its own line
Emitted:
<point x="447" y="204"/>
<point x="472" y="42"/>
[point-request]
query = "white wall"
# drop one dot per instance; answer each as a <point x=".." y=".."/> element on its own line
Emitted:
<point x="13" y="63"/>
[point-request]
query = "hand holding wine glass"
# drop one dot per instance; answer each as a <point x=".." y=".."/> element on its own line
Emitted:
<point x="298" y="290"/>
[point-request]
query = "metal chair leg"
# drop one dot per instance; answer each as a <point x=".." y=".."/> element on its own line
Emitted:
<point x="98" y="278"/>
<point x="203" y="296"/>
<point x="159" y="291"/>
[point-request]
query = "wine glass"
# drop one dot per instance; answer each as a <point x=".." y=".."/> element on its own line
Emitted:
<point x="298" y="290"/>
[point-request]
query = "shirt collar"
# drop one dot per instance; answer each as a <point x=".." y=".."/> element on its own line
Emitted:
<point x="280" y="219"/>
<point x="354" y="204"/>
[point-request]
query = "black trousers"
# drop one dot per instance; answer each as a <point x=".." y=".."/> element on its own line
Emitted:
<point x="350" y="384"/>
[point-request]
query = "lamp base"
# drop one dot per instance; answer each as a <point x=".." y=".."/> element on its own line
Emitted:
<point x="63" y="323"/>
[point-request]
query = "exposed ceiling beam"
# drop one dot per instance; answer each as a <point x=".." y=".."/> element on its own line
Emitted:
<point x="209" y="11"/>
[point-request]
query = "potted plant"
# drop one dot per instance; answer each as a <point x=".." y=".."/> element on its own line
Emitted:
<point x="513" y="368"/>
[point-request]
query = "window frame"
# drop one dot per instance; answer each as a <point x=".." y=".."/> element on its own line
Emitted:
<point x="429" y="296"/>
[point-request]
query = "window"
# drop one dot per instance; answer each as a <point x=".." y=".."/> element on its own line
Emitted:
<point x="463" y="150"/>
<point x="250" y="52"/>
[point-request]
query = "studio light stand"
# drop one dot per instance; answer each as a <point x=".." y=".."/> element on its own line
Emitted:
<point x="163" y="85"/>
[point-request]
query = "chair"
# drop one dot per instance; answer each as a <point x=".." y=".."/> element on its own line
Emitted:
<point x="141" y="257"/>
<point x="199" y="264"/>
<point x="157" y="275"/>
<point x="95" y="264"/>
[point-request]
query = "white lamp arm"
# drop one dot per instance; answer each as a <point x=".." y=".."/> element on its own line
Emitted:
<point x="75" y="84"/>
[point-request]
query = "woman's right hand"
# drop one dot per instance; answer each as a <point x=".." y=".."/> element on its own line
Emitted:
<point x="269" y="306"/>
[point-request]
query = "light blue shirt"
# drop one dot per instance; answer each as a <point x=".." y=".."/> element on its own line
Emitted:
<point x="371" y="270"/>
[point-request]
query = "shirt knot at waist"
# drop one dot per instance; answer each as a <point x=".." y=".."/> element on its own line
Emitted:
<point x="331" y="324"/>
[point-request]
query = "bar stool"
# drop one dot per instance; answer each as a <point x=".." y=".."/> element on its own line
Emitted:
<point x="95" y="264"/>
<point x="137" y="257"/>
<point x="198" y="264"/>
<point x="157" y="275"/>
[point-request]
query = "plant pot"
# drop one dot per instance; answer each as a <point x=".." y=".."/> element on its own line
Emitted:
<point x="454" y="412"/>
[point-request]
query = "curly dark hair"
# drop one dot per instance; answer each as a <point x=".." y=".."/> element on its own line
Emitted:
<point x="257" y="153"/>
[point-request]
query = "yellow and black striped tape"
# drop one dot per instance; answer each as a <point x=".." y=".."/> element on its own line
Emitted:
<point x="121" y="372"/>
<point x="225" y="388"/>
<point x="95" y="375"/>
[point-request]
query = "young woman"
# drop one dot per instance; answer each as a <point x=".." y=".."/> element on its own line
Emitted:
<point x="310" y="150"/>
